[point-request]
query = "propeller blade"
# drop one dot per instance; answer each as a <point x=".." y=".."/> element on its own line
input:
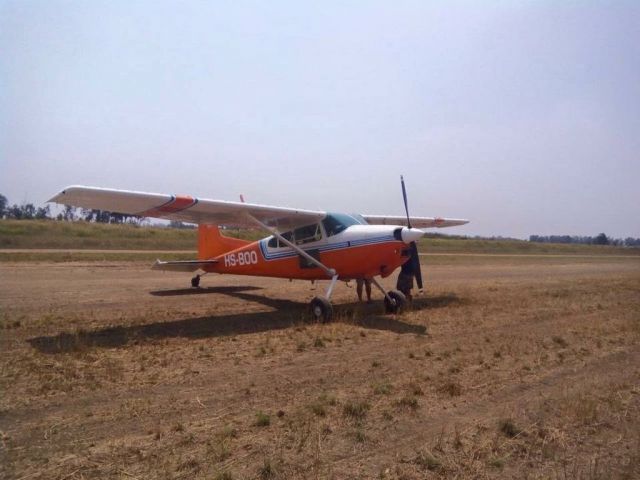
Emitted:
<point x="417" y="270"/>
<point x="415" y="258"/>
<point x="406" y="204"/>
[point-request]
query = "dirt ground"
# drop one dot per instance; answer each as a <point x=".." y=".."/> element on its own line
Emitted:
<point x="504" y="369"/>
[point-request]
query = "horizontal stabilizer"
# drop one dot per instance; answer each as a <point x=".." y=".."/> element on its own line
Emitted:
<point x="183" y="265"/>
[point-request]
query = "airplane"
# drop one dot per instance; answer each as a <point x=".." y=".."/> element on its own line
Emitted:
<point x="302" y="244"/>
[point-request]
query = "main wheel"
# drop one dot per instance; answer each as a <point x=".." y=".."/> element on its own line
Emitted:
<point x="321" y="309"/>
<point x="195" y="281"/>
<point x="397" y="303"/>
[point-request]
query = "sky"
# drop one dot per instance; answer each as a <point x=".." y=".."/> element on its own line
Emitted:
<point x="521" y="116"/>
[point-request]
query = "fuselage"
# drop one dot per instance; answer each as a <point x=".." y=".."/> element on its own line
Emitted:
<point x="356" y="251"/>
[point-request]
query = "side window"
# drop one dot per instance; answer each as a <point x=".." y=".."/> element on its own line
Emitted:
<point x="287" y="236"/>
<point x="308" y="234"/>
<point x="275" y="243"/>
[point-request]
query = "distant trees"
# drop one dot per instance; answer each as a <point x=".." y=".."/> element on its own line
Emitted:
<point x="42" y="213"/>
<point x="27" y="211"/>
<point x="21" y="212"/>
<point x="600" y="239"/>
<point x="68" y="214"/>
<point x="179" y="224"/>
<point x="71" y="214"/>
<point x="632" y="242"/>
<point x="3" y="205"/>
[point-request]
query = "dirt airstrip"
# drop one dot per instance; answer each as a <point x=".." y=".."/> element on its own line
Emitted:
<point x="506" y="368"/>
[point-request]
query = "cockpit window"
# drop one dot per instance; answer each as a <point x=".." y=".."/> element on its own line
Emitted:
<point x="306" y="234"/>
<point x="275" y="243"/>
<point x="359" y="218"/>
<point x="335" y="223"/>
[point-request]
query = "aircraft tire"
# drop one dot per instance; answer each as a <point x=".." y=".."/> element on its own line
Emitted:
<point x="321" y="309"/>
<point x="195" y="281"/>
<point x="399" y="302"/>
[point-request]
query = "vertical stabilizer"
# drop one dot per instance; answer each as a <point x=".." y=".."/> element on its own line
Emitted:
<point x="212" y="243"/>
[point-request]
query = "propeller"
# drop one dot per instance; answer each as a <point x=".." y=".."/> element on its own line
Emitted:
<point x="415" y="258"/>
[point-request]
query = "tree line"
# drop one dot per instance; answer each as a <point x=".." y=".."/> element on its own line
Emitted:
<point x="27" y="211"/>
<point x="600" y="239"/>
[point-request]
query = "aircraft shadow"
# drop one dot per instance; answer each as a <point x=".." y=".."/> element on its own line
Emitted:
<point x="288" y="314"/>
<point x="202" y="291"/>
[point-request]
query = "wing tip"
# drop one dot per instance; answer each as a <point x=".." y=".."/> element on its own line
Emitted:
<point x="64" y="192"/>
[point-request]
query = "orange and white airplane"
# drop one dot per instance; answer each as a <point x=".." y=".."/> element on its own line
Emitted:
<point x="303" y="244"/>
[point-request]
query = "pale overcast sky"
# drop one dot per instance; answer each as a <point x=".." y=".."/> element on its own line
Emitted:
<point x="522" y="116"/>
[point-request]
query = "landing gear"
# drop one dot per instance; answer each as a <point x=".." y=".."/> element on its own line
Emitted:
<point x="394" y="301"/>
<point x="321" y="309"/>
<point x="195" y="281"/>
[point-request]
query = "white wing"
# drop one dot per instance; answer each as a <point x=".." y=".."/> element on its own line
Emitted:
<point x="416" y="222"/>
<point x="185" y="208"/>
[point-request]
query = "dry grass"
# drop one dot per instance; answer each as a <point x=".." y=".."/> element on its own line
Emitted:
<point x="100" y="379"/>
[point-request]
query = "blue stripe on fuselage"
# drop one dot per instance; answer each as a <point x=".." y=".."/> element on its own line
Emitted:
<point x="325" y="248"/>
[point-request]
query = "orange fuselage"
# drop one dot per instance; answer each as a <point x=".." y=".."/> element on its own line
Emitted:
<point x="349" y="260"/>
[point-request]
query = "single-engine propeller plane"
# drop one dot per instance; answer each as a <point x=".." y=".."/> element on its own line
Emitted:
<point x="303" y="244"/>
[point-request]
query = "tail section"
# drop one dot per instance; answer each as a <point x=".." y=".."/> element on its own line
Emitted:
<point x="212" y="243"/>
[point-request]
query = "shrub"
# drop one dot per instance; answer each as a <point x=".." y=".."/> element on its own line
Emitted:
<point x="408" y="401"/>
<point x="452" y="388"/>
<point x="356" y="410"/>
<point x="262" y="420"/>
<point x="382" y="388"/>
<point x="509" y="428"/>
<point x="560" y="341"/>
<point x="428" y="461"/>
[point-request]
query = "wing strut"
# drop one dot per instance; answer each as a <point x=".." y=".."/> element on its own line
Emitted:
<point x="329" y="271"/>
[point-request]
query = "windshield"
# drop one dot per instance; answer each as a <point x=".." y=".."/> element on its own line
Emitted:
<point x="335" y="223"/>
<point x="359" y="218"/>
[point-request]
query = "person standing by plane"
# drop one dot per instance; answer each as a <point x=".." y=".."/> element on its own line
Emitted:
<point x="360" y="282"/>
<point x="405" y="279"/>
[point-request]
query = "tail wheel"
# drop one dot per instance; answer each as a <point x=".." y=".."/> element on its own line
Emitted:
<point x="195" y="281"/>
<point x="321" y="309"/>
<point x="395" y="301"/>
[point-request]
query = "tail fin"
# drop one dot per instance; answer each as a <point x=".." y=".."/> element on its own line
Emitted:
<point x="212" y="243"/>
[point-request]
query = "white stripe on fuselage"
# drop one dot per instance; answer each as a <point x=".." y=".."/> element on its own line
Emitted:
<point x="351" y="237"/>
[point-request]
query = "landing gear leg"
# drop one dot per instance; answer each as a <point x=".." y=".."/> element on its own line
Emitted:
<point x="195" y="281"/>
<point x="394" y="300"/>
<point x="321" y="307"/>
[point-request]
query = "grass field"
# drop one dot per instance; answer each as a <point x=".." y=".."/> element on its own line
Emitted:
<point x="40" y="234"/>
<point x="48" y="235"/>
